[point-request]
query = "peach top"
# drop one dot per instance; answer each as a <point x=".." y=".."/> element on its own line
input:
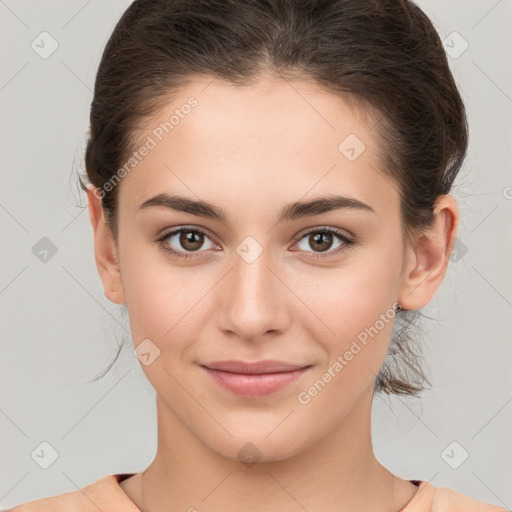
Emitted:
<point x="107" y="495"/>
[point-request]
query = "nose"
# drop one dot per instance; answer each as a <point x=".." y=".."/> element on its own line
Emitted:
<point x="252" y="300"/>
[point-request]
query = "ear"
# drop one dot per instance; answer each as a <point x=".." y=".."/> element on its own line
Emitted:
<point x="428" y="257"/>
<point x="105" y="249"/>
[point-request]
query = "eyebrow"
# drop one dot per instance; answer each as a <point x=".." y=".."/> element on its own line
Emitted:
<point x="292" y="211"/>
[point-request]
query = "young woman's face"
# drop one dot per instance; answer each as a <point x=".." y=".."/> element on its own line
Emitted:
<point x="266" y="282"/>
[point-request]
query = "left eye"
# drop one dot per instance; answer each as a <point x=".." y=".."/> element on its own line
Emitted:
<point x="322" y="239"/>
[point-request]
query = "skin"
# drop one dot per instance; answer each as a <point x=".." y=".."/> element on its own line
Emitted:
<point x="251" y="151"/>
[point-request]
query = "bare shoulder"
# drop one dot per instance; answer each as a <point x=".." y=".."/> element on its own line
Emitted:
<point x="449" y="500"/>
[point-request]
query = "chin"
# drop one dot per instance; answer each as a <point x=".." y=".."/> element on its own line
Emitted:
<point x="252" y="446"/>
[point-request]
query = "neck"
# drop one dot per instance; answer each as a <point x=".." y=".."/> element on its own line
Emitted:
<point x="337" y="473"/>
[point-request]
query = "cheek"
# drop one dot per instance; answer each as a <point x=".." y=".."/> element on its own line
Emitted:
<point x="165" y="301"/>
<point x="354" y="306"/>
<point x="161" y="302"/>
<point x="153" y="294"/>
<point x="359" y="312"/>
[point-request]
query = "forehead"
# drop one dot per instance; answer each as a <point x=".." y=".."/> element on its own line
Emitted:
<point x="272" y="139"/>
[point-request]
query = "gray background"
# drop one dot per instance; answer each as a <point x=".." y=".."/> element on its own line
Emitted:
<point x="58" y="330"/>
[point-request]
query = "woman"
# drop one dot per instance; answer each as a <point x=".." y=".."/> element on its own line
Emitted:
<point x="268" y="186"/>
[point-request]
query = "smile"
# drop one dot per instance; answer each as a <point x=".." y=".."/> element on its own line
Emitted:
<point x="254" y="384"/>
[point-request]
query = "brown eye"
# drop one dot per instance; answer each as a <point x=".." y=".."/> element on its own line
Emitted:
<point x="322" y="239"/>
<point x="184" y="242"/>
<point x="191" y="240"/>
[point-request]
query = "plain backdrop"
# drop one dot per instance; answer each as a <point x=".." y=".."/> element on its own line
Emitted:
<point x="58" y="330"/>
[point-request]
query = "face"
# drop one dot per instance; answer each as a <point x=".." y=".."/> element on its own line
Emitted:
<point x="254" y="276"/>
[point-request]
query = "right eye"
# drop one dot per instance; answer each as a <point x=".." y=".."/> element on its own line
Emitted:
<point x="190" y="239"/>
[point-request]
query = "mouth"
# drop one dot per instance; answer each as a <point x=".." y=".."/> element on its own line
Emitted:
<point x="254" y="379"/>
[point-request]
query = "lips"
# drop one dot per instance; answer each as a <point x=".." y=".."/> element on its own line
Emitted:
<point x="254" y="379"/>
<point x="253" y="368"/>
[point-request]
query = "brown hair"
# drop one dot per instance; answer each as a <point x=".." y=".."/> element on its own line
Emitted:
<point x="384" y="56"/>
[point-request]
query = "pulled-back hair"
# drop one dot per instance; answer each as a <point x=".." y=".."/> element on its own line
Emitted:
<point x="383" y="56"/>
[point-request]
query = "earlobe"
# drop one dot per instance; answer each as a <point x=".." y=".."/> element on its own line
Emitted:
<point x="105" y="249"/>
<point x="429" y="256"/>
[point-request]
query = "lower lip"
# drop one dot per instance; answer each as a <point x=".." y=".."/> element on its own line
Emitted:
<point x="255" y="385"/>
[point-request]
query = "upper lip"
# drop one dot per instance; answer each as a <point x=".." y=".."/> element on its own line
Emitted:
<point x="256" y="367"/>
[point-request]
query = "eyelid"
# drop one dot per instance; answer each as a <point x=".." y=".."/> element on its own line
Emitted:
<point x="337" y="231"/>
<point x="191" y="227"/>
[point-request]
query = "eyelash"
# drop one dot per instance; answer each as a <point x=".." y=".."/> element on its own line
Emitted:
<point x="347" y="242"/>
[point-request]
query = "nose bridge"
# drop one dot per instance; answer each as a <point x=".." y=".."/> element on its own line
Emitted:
<point x="250" y="301"/>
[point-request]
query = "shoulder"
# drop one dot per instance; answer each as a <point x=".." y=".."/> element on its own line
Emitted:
<point x="103" y="494"/>
<point x="449" y="500"/>
<point x="68" y="501"/>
